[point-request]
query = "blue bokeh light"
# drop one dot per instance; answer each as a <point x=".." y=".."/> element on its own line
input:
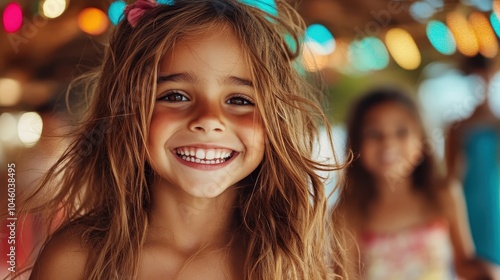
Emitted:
<point x="320" y="39"/>
<point x="115" y="11"/>
<point x="440" y="37"/>
<point x="368" y="54"/>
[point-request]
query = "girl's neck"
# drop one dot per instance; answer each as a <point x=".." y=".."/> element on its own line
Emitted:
<point x="190" y="224"/>
<point x="389" y="189"/>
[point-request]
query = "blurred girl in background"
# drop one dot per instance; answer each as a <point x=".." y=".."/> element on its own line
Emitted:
<point x="409" y="223"/>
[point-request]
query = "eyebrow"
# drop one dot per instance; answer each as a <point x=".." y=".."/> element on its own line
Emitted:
<point x="188" y="77"/>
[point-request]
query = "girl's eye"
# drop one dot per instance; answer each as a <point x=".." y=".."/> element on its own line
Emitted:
<point x="402" y="132"/>
<point x="372" y="134"/>
<point x="174" y="97"/>
<point x="239" y="101"/>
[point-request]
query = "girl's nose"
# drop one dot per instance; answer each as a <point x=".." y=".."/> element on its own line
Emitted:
<point x="208" y="118"/>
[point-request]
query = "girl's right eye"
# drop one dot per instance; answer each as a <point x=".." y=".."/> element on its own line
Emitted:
<point x="174" y="97"/>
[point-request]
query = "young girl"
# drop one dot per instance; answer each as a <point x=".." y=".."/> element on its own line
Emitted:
<point x="194" y="158"/>
<point x="407" y="223"/>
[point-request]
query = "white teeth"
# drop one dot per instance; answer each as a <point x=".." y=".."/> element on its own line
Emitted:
<point x="210" y="154"/>
<point x="202" y="161"/>
<point x="204" y="155"/>
<point x="200" y="154"/>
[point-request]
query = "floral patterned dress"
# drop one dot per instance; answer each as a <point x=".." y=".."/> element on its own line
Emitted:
<point x="419" y="253"/>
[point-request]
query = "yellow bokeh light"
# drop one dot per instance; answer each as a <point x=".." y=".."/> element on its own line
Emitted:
<point x="93" y="21"/>
<point x="29" y="128"/>
<point x="464" y="35"/>
<point x="8" y="131"/>
<point x="487" y="40"/>
<point x="10" y="92"/>
<point x="53" y="8"/>
<point x="403" y="48"/>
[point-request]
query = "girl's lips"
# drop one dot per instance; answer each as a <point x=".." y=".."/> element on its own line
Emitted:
<point x="204" y="164"/>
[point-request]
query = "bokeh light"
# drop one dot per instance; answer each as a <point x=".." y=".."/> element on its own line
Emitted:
<point x="368" y="54"/>
<point x="53" y="8"/>
<point x="29" y="128"/>
<point x="488" y="45"/>
<point x="12" y="17"/>
<point x="482" y="5"/>
<point x="464" y="35"/>
<point x="8" y="128"/>
<point x="495" y="23"/>
<point x="268" y="6"/>
<point x="115" y="11"/>
<point x="421" y="10"/>
<point x="92" y="21"/>
<point x="10" y="92"/>
<point x="440" y="37"/>
<point x="320" y="39"/>
<point x="403" y="48"/>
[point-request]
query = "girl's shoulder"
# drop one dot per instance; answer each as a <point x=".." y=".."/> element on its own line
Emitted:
<point x="62" y="257"/>
<point x="450" y="196"/>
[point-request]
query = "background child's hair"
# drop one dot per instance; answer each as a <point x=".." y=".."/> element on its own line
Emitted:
<point x="103" y="178"/>
<point x="359" y="189"/>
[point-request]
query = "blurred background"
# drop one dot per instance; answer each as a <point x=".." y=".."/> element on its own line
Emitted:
<point x="422" y="45"/>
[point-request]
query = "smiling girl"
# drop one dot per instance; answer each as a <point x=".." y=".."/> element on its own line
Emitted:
<point x="409" y="223"/>
<point x="194" y="160"/>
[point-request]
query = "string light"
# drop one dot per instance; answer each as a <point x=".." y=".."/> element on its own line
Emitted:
<point x="29" y="128"/>
<point x="488" y="45"/>
<point x="12" y="17"/>
<point x="440" y="37"/>
<point x="403" y="48"/>
<point x="115" y="11"/>
<point x="92" y="21"/>
<point x="368" y="54"/>
<point x="53" y="8"/>
<point x="8" y="128"/>
<point x="464" y="35"/>
<point x="320" y="39"/>
<point x="495" y="23"/>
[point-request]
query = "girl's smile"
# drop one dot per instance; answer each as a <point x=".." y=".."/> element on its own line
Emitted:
<point x="205" y="134"/>
<point x="205" y="157"/>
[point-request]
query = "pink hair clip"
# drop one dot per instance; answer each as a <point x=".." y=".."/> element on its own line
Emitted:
<point x="133" y="12"/>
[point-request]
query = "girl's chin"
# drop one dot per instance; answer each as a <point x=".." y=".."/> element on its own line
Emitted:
<point x="206" y="190"/>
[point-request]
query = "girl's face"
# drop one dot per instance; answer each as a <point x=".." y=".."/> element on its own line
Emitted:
<point x="391" y="145"/>
<point x="205" y="133"/>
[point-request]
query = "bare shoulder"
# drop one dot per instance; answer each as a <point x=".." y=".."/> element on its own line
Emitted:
<point x="451" y="197"/>
<point x="63" y="257"/>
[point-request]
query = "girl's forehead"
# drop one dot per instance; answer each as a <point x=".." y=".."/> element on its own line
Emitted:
<point x="389" y="112"/>
<point x="214" y="53"/>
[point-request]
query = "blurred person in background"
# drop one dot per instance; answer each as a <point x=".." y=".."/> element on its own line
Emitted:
<point x="473" y="157"/>
<point x="408" y="223"/>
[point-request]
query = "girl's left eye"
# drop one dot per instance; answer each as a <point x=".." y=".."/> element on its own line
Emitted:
<point x="239" y="101"/>
<point x="174" y="97"/>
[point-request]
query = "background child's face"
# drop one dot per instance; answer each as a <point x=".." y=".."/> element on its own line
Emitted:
<point x="205" y="133"/>
<point x="391" y="145"/>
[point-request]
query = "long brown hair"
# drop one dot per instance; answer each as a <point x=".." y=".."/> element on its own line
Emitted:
<point x="104" y="178"/>
<point x="359" y="190"/>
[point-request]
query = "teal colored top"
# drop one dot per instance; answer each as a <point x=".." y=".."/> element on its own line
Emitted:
<point x="482" y="189"/>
